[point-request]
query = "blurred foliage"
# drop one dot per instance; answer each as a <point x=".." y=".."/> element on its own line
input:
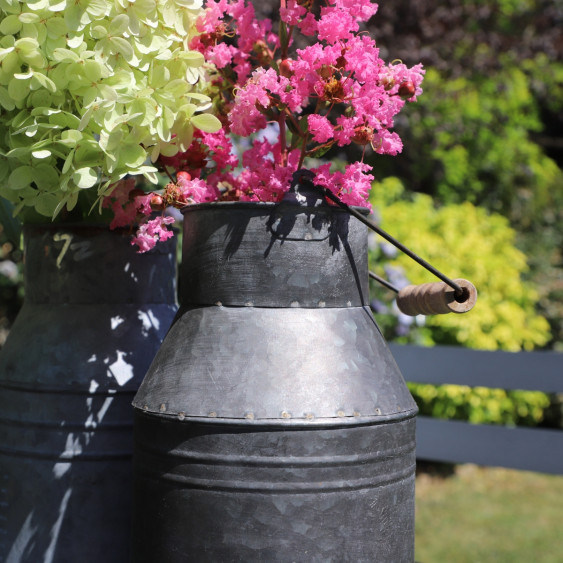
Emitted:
<point x="470" y="140"/>
<point x="461" y="240"/>
<point x="465" y="240"/>
<point x="480" y="405"/>
<point x="488" y="127"/>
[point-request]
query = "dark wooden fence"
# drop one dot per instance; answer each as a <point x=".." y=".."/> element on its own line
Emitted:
<point x="532" y="449"/>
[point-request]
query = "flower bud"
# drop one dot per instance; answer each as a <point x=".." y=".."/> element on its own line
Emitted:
<point x="157" y="201"/>
<point x="407" y="90"/>
<point x="263" y="54"/>
<point x="183" y="176"/>
<point x="387" y="82"/>
<point x="286" y="67"/>
<point x="363" y="135"/>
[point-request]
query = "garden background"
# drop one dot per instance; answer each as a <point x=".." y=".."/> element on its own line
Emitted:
<point x="478" y="192"/>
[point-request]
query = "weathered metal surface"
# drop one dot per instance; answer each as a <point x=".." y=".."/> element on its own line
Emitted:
<point x="251" y="363"/>
<point x="247" y="493"/>
<point x="274" y="426"/>
<point x="94" y="315"/>
<point x="277" y="256"/>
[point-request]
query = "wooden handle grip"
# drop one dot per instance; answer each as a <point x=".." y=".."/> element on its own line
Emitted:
<point x="436" y="298"/>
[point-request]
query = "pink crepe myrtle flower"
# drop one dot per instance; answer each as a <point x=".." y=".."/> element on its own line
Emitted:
<point x="292" y="13"/>
<point x="151" y="232"/>
<point x="320" y="127"/>
<point x="330" y="93"/>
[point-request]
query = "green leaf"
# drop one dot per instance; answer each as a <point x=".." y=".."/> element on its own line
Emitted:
<point x="191" y="58"/>
<point x="84" y="177"/>
<point x="70" y="138"/>
<point x="6" y="100"/>
<point x="206" y="122"/>
<point x="65" y="119"/>
<point x="29" y="17"/>
<point x="45" y="204"/>
<point x="132" y="156"/>
<point x="65" y="55"/>
<point x="10" y="25"/>
<point x="45" y="81"/>
<point x="284" y="40"/>
<point x="119" y="25"/>
<point x="93" y="70"/>
<point x="57" y="6"/>
<point x="20" y="178"/>
<point x="320" y="151"/>
<point x="68" y="162"/>
<point x="46" y="177"/>
<point x="40" y="154"/>
<point x="27" y="45"/>
<point x="56" y="27"/>
<point x="123" y="47"/>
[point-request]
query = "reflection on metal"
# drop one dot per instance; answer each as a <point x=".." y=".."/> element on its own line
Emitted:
<point x="68" y="371"/>
<point x="274" y="424"/>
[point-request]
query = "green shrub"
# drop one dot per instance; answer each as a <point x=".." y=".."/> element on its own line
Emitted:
<point x="466" y="241"/>
<point x="461" y="240"/>
<point x="480" y="405"/>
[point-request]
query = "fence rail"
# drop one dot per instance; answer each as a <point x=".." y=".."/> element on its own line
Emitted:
<point x="532" y="449"/>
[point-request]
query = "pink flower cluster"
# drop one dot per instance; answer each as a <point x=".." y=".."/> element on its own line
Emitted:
<point x="333" y="92"/>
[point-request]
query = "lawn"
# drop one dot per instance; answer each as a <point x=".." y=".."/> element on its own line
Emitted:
<point x="481" y="515"/>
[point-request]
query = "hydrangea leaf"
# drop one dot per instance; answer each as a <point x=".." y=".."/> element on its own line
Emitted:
<point x="84" y="178"/>
<point x="29" y="17"/>
<point x="21" y="177"/>
<point x="10" y="25"/>
<point x="119" y="25"/>
<point x="6" y="100"/>
<point x="206" y="122"/>
<point x="46" y="203"/>
<point x="45" y="177"/>
<point x="45" y="81"/>
<point x="18" y="89"/>
<point x="41" y="154"/>
<point x="56" y="27"/>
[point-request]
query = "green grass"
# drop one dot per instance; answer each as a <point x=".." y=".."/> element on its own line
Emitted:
<point x="481" y="515"/>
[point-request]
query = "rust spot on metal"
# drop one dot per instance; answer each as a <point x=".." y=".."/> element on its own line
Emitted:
<point x="340" y="413"/>
<point x="212" y="414"/>
<point x="285" y="414"/>
<point x="162" y="407"/>
<point x="249" y="416"/>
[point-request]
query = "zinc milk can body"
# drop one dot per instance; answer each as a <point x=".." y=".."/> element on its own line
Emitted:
<point x="273" y="424"/>
<point x="94" y="315"/>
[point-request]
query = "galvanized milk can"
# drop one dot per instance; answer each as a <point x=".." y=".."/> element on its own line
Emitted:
<point x="94" y="315"/>
<point x="273" y="424"/>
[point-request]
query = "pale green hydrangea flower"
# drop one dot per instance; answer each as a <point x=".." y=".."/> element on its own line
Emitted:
<point x="90" y="90"/>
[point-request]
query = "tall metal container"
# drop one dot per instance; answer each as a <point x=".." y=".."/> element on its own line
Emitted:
<point x="273" y="424"/>
<point x="94" y="315"/>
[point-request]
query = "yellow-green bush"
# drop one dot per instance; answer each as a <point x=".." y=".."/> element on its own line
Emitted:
<point x="466" y="241"/>
<point x="480" y="405"/>
<point x="461" y="240"/>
